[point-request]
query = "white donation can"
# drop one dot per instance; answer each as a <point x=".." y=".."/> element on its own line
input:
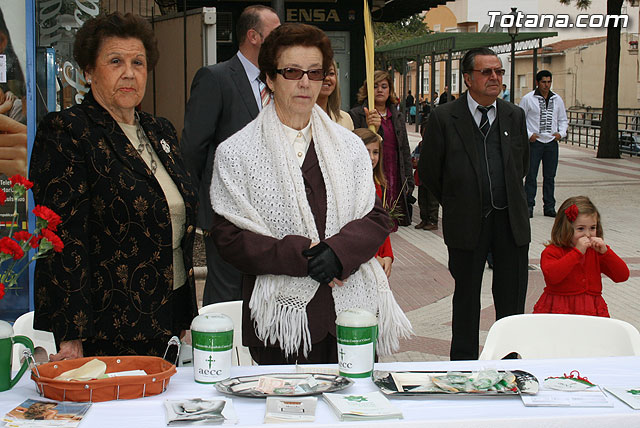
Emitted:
<point x="212" y="342"/>
<point x="357" y="332"/>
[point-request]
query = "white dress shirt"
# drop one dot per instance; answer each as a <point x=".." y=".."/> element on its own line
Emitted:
<point x="252" y="74"/>
<point x="477" y="114"/>
<point x="545" y="118"/>
<point x="299" y="140"/>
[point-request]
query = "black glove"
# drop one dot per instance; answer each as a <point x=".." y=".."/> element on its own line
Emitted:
<point x="411" y="199"/>
<point x="323" y="263"/>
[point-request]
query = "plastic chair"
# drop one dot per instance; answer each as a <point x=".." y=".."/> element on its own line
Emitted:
<point x="241" y="354"/>
<point x="560" y="336"/>
<point x="24" y="327"/>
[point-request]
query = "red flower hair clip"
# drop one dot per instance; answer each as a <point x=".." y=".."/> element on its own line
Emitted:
<point x="571" y="212"/>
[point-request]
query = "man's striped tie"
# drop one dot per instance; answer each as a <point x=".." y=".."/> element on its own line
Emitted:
<point x="484" y="121"/>
<point x="265" y="97"/>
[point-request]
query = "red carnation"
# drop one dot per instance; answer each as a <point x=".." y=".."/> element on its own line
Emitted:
<point x="52" y="219"/>
<point x="11" y="247"/>
<point x="22" y="235"/>
<point x="35" y="241"/>
<point x="18" y="179"/>
<point x="53" y="239"/>
<point x="571" y="212"/>
<point x="3" y="197"/>
<point x="1" y="290"/>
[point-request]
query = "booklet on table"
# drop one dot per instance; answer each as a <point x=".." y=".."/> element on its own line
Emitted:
<point x="200" y="411"/>
<point x="373" y="405"/>
<point x="42" y="413"/>
<point x="630" y="396"/>
<point x="589" y="397"/>
<point x="290" y="409"/>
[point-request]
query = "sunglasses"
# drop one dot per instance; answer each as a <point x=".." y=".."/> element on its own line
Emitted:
<point x="291" y="73"/>
<point x="487" y="72"/>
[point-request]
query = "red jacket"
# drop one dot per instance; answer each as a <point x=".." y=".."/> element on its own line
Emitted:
<point x="569" y="272"/>
<point x="385" y="249"/>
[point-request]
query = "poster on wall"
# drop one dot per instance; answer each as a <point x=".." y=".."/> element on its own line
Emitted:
<point x="13" y="146"/>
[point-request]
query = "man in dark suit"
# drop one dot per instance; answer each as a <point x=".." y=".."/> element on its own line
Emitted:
<point x="474" y="160"/>
<point x="224" y="98"/>
<point x="444" y="97"/>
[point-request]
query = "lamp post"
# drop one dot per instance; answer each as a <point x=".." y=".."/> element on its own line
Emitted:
<point x="513" y="32"/>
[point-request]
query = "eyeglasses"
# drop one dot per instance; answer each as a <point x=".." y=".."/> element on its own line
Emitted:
<point x="487" y="72"/>
<point x="291" y="73"/>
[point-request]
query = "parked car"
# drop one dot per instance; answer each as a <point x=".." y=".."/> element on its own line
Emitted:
<point x="629" y="143"/>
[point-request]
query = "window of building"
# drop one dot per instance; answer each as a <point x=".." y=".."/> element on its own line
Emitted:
<point x="425" y="81"/>
<point x="522" y="80"/>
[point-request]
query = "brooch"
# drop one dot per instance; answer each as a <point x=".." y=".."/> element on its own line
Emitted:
<point x="165" y="146"/>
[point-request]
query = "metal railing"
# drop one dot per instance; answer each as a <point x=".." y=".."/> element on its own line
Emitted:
<point x="584" y="129"/>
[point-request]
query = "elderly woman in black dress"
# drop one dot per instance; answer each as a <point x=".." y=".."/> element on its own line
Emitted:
<point x="124" y="283"/>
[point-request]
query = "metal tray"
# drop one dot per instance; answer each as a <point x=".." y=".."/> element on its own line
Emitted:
<point x="244" y="386"/>
<point x="526" y="384"/>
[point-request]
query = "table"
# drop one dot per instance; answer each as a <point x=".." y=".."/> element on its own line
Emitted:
<point x="433" y="411"/>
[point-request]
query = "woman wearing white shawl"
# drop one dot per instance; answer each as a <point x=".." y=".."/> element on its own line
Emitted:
<point x="296" y="211"/>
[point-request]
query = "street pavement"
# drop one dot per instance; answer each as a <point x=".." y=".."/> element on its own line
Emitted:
<point x="423" y="286"/>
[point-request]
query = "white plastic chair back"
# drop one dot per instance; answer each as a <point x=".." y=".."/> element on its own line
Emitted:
<point x="24" y="327"/>
<point x="241" y="354"/>
<point x="560" y="336"/>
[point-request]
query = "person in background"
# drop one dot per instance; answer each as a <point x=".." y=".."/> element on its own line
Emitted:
<point x="444" y="97"/>
<point x="474" y="159"/>
<point x="224" y="98"/>
<point x="373" y="143"/>
<point x="546" y="124"/>
<point x="427" y="203"/>
<point x="408" y="103"/>
<point x="397" y="154"/>
<point x="506" y="95"/>
<point x="329" y="98"/>
<point x="575" y="259"/>
<point x="296" y="210"/>
<point x="124" y="284"/>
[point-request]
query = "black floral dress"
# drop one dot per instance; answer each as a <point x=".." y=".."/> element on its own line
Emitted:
<point x="112" y="285"/>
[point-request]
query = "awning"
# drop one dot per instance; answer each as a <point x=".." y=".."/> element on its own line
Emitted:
<point x="459" y="43"/>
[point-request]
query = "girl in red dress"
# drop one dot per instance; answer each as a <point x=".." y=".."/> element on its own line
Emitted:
<point x="373" y="142"/>
<point x="575" y="259"/>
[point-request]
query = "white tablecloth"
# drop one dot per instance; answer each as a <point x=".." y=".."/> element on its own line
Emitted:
<point x="433" y="411"/>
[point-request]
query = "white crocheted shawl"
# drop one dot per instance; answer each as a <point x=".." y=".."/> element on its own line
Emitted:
<point x="257" y="185"/>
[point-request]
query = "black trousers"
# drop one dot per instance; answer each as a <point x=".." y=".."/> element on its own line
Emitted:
<point x="428" y="205"/>
<point x="509" y="282"/>
<point x="224" y="282"/>
<point x="323" y="352"/>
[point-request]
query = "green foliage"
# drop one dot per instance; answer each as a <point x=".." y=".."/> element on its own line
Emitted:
<point x="394" y="32"/>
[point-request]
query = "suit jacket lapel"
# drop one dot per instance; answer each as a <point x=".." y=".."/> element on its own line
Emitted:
<point x="239" y="77"/>
<point x="504" y="116"/>
<point x="464" y="125"/>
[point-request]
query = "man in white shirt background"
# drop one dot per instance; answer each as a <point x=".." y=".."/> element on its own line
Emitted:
<point x="546" y="125"/>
